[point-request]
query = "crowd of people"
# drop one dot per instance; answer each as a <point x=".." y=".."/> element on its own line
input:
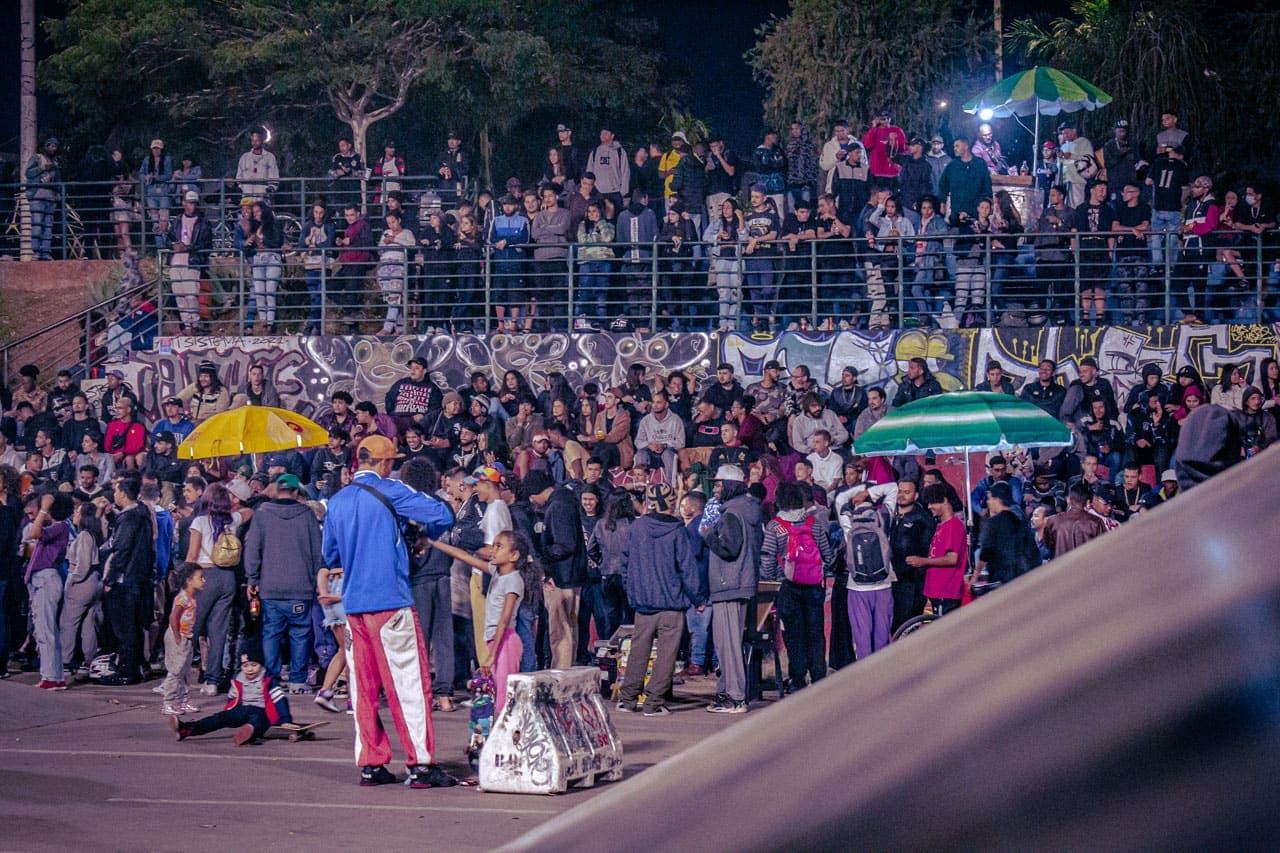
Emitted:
<point x="794" y="235"/>
<point x="657" y="503"/>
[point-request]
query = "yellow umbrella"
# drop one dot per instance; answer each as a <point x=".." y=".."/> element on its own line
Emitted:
<point x="251" y="429"/>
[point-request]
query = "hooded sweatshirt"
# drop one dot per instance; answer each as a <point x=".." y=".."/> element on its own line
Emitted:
<point x="1208" y="444"/>
<point x="612" y="169"/>
<point x="773" y="548"/>
<point x="735" y="540"/>
<point x="658" y="566"/>
<point x="282" y="551"/>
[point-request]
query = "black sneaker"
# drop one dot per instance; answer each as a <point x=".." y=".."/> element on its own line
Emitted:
<point x="119" y="680"/>
<point x="376" y="775"/>
<point x="430" y="776"/>
<point x="656" y="710"/>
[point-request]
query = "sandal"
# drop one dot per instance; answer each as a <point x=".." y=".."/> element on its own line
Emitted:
<point x="444" y="704"/>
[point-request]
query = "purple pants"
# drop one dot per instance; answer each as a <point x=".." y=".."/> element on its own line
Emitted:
<point x="870" y="615"/>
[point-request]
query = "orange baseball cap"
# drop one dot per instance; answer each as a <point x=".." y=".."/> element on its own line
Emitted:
<point x="380" y="447"/>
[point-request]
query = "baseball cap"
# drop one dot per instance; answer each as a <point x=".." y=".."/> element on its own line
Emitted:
<point x="288" y="481"/>
<point x="660" y="496"/>
<point x="191" y="195"/>
<point x="157" y="143"/>
<point x="379" y="447"/>
<point x="540" y="436"/>
<point x="240" y="489"/>
<point x="679" y="134"/>
<point x="1105" y="491"/>
<point x="773" y="364"/>
<point x="562" y="127"/>
<point x="487" y="474"/>
<point x="173" y="401"/>
<point x="1122" y="123"/>
<point x="1169" y="474"/>
<point x="118" y="374"/>
<point x="1048" y="143"/>
<point x="165" y="435"/>
<point x="917" y="140"/>
<point x="936" y="138"/>
<point x="731" y="473"/>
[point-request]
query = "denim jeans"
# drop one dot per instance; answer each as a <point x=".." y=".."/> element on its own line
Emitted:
<point x="761" y="285"/>
<point x="42" y="229"/>
<point x="314" y="278"/>
<point x="593" y="286"/>
<point x="699" y="625"/>
<point x="525" y="617"/>
<point x="281" y="616"/>
<point x="1163" y="221"/>
<point x="45" y="590"/>
<point x="267" y="271"/>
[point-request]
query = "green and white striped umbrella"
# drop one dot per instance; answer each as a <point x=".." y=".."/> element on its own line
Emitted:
<point x="962" y="422"/>
<point x="1039" y="91"/>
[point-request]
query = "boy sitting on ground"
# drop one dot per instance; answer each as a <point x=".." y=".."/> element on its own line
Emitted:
<point x="254" y="705"/>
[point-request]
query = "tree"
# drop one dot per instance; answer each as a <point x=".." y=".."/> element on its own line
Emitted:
<point x="834" y="59"/>
<point x="1148" y="56"/>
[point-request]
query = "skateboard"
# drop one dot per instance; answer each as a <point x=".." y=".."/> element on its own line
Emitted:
<point x="298" y="731"/>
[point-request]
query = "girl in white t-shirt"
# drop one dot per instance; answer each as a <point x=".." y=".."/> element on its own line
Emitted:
<point x="510" y="551"/>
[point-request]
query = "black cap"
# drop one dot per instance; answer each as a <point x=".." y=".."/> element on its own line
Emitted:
<point x="251" y="650"/>
<point x="1106" y="491"/>
<point x="165" y="435"/>
<point x="773" y="364"/>
<point x="172" y="401"/>
<point x="1187" y="371"/>
<point x="917" y="140"/>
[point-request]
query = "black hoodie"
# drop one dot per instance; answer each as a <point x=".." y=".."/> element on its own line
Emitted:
<point x="1209" y="444"/>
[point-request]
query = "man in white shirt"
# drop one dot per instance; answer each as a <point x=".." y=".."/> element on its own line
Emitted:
<point x="257" y="172"/>
<point x="828" y="467"/>
<point x="496" y="519"/>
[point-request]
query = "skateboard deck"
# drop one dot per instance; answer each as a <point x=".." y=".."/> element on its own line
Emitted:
<point x="298" y="731"/>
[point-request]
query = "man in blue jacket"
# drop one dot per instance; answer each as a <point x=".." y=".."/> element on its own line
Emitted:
<point x="660" y="574"/>
<point x="362" y="534"/>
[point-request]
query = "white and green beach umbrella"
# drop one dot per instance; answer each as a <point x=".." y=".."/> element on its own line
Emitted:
<point x="963" y="422"/>
<point x="1040" y="90"/>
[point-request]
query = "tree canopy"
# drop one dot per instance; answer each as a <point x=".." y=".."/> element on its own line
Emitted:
<point x="847" y="59"/>
<point x="210" y="69"/>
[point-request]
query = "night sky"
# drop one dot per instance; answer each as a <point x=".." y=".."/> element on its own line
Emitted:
<point x="702" y="40"/>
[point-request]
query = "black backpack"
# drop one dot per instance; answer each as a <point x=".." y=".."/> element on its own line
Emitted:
<point x="864" y="553"/>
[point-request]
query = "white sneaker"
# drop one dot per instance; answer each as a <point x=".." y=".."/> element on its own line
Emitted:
<point x="208" y="689"/>
<point x="158" y="689"/>
<point x="170" y="710"/>
<point x="188" y="708"/>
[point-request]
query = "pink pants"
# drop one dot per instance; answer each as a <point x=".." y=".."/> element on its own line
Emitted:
<point x="505" y="662"/>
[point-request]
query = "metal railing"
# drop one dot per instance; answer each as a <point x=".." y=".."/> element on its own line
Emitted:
<point x="82" y="342"/>
<point x="101" y="219"/>
<point x="947" y="281"/>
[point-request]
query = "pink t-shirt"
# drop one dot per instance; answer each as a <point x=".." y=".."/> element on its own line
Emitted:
<point x="947" y="581"/>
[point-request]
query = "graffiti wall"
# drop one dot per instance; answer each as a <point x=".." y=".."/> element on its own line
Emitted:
<point x="307" y="370"/>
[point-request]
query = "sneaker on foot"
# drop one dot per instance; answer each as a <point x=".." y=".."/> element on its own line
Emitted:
<point x="693" y="670"/>
<point x="158" y="689"/>
<point x="627" y="707"/>
<point x="376" y="775"/>
<point x="299" y="690"/>
<point x="430" y="776"/>
<point x="656" y="710"/>
<point x="188" y="708"/>
<point x="52" y="685"/>
<point x="325" y="700"/>
<point x="209" y="689"/>
<point x="243" y="735"/>
<point x="171" y="710"/>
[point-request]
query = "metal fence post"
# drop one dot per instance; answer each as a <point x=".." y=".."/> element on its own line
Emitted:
<point x="160" y="295"/>
<point x="653" y="286"/>
<point x="1075" y="277"/>
<point x="1168" y="282"/>
<point x="568" y="256"/>
<point x="902" y="284"/>
<point x="486" y="259"/>
<point x="1262" y="276"/>
<point x="61" y="213"/>
<point x="813" y="283"/>
<point x="324" y="286"/>
<point x="240" y="294"/>
<point x="142" y="218"/>
<point x="991" y="285"/>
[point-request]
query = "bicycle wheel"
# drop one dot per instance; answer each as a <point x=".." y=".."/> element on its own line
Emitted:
<point x="290" y="230"/>
<point x="915" y="623"/>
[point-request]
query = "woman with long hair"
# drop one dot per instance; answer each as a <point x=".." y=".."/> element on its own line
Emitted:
<point x="214" y="604"/>
<point x="266" y="241"/>
<point x="1229" y="391"/>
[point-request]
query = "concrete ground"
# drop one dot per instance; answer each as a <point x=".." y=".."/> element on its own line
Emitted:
<point x="98" y="768"/>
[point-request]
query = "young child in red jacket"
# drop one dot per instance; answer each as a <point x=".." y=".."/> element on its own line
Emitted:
<point x="254" y="705"/>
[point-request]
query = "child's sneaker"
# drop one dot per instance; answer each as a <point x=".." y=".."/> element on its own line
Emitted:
<point x="376" y="775"/>
<point x="243" y="735"/>
<point x="171" y="710"/>
<point x="181" y="729"/>
<point x="325" y="700"/>
<point x="429" y="776"/>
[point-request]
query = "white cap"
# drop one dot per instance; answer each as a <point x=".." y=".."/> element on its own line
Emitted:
<point x="191" y="195"/>
<point x="240" y="489"/>
<point x="731" y="473"/>
<point x="1169" y="474"/>
<point x="679" y="134"/>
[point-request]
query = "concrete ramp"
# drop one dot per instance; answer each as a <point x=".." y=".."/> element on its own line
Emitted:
<point x="1126" y="696"/>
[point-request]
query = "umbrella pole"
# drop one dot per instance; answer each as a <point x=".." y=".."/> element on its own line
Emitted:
<point x="1035" y="147"/>
<point x="968" y="491"/>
